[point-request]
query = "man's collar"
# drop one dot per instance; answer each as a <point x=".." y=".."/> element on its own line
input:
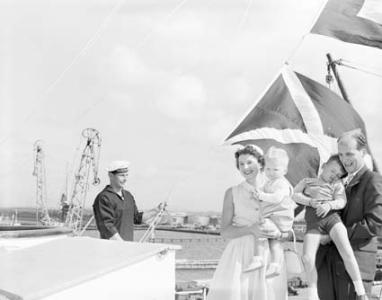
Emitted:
<point x="110" y="189"/>
<point x="352" y="175"/>
<point x="355" y="177"/>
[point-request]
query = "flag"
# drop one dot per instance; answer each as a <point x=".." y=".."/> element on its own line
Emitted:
<point x="352" y="21"/>
<point x="303" y="117"/>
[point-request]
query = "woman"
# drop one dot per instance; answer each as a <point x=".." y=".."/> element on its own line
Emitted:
<point x="240" y="224"/>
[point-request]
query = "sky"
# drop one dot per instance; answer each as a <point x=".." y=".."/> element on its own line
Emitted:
<point x="164" y="82"/>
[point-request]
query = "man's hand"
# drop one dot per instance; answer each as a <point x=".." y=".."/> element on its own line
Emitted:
<point x="314" y="203"/>
<point x="325" y="239"/>
<point x="317" y="192"/>
<point x="322" y="210"/>
<point x="116" y="237"/>
<point x="150" y="215"/>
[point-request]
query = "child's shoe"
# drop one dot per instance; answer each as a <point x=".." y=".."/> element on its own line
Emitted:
<point x="256" y="263"/>
<point x="274" y="269"/>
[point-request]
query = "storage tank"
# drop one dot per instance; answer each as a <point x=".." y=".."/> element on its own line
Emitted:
<point x="178" y="218"/>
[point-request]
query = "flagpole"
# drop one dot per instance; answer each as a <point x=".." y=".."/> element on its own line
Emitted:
<point x="332" y="65"/>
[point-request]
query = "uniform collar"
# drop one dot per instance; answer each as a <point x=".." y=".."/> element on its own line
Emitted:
<point x="110" y="189"/>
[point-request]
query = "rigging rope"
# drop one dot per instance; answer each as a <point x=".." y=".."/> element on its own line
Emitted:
<point x="150" y="232"/>
<point x="86" y="47"/>
<point x="168" y="17"/>
<point x="351" y="65"/>
<point x="81" y="53"/>
<point x="245" y="15"/>
<point x="317" y="15"/>
<point x="139" y="45"/>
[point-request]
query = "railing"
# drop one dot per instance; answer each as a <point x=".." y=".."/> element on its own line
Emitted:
<point x="185" y="264"/>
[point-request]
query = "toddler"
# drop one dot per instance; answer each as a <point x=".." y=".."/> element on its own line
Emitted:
<point x="276" y="207"/>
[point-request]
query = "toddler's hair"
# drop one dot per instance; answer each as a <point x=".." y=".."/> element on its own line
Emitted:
<point x="277" y="153"/>
<point x="336" y="158"/>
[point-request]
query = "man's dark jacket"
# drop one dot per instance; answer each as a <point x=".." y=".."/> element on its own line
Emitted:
<point x="362" y="217"/>
<point x="116" y="214"/>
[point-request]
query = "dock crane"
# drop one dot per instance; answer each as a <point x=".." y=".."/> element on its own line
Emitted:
<point x="42" y="214"/>
<point x="88" y="162"/>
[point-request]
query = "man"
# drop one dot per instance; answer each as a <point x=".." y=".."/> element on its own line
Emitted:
<point x="114" y="208"/>
<point x="362" y="217"/>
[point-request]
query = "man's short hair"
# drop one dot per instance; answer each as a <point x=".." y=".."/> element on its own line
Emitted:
<point x="357" y="135"/>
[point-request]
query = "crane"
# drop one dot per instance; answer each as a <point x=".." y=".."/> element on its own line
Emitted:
<point x="42" y="214"/>
<point x="88" y="162"/>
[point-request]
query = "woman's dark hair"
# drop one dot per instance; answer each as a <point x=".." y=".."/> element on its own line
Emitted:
<point x="336" y="158"/>
<point x="253" y="150"/>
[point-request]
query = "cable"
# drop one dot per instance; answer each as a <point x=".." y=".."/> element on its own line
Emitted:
<point x="349" y="64"/>
<point x="139" y="45"/>
<point x="317" y="15"/>
<point x="245" y="15"/>
<point x="169" y="16"/>
<point x="81" y="53"/>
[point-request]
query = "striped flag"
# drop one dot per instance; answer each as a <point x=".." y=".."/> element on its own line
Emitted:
<point x="303" y="117"/>
<point x="352" y="21"/>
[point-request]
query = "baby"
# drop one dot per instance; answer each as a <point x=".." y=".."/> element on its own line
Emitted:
<point x="276" y="207"/>
<point x="322" y="219"/>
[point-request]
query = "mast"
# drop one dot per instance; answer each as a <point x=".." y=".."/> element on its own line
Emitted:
<point x="332" y="65"/>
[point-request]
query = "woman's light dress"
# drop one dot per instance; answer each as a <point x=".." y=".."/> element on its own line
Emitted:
<point x="229" y="282"/>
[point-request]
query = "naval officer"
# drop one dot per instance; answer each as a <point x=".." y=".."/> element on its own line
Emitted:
<point x="114" y="208"/>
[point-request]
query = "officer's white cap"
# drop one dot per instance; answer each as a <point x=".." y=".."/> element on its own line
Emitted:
<point x="118" y="165"/>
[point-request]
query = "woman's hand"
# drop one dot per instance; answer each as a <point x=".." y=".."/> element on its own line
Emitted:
<point x="317" y="192"/>
<point x="266" y="229"/>
<point x="255" y="195"/>
<point x="322" y="210"/>
<point x="314" y="203"/>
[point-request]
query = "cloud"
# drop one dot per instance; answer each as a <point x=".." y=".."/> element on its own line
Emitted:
<point x="183" y="98"/>
<point x="182" y="39"/>
<point x="124" y="67"/>
<point x="237" y="90"/>
<point x="222" y="125"/>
